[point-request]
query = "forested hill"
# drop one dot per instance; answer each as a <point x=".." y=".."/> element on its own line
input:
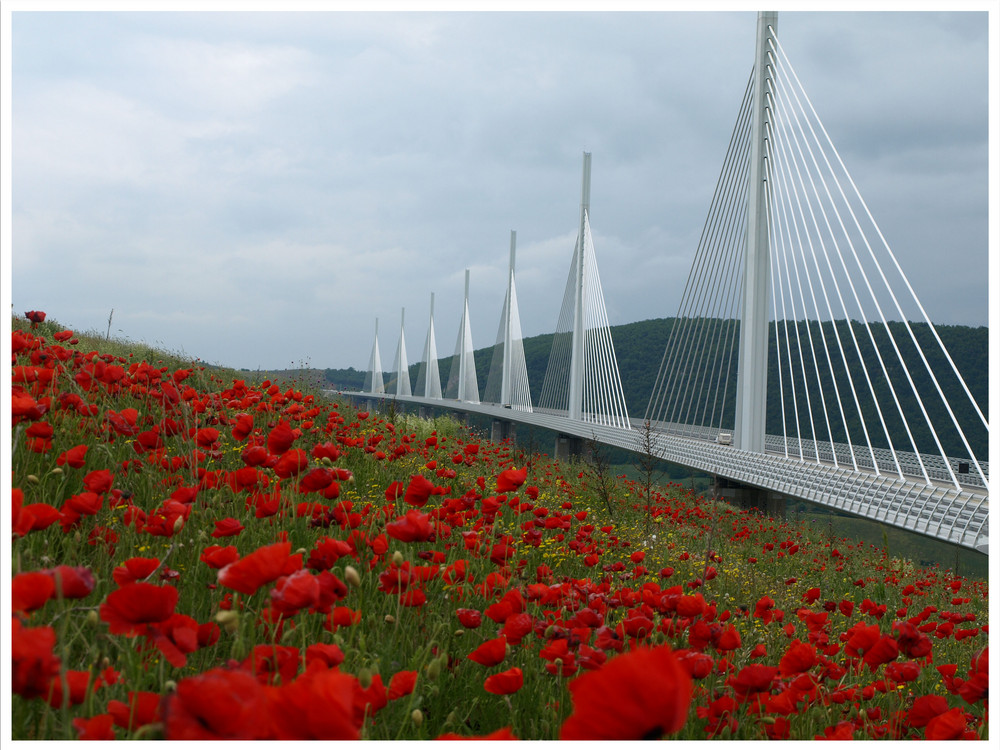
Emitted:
<point x="640" y="346"/>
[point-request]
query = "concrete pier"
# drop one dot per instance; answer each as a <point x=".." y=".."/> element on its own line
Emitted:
<point x="568" y="446"/>
<point x="746" y="496"/>
<point x="501" y="430"/>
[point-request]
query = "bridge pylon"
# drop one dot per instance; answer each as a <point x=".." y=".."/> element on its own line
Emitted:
<point x="751" y="389"/>
<point x="429" y="377"/>
<point x="582" y="376"/>
<point x="400" y="366"/>
<point x="462" y="382"/>
<point x="373" y="379"/>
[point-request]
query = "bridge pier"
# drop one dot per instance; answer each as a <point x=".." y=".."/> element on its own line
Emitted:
<point x="501" y="430"/>
<point x="461" y="417"/>
<point x="424" y="412"/>
<point x="746" y="497"/>
<point x="568" y="446"/>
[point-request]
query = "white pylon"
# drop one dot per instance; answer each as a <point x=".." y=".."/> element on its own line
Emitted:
<point x="429" y="379"/>
<point x="373" y="380"/>
<point x="400" y="366"/>
<point x="751" y="388"/>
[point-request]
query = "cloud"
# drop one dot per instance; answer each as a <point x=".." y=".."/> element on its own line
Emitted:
<point x="256" y="188"/>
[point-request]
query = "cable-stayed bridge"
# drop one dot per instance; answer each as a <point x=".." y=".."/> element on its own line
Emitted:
<point x="793" y="275"/>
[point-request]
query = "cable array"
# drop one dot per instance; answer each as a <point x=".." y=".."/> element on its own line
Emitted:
<point x="850" y="377"/>
<point x="462" y="382"/>
<point x="373" y="378"/>
<point x="520" y="393"/>
<point x="429" y="375"/>
<point x="603" y="399"/>
<point x="695" y="389"/>
<point x="399" y="365"/>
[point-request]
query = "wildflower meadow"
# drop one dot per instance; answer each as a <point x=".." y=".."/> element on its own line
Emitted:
<point x="195" y="555"/>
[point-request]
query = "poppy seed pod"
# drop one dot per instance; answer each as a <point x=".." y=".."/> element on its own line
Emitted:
<point x="352" y="576"/>
<point x="228" y="620"/>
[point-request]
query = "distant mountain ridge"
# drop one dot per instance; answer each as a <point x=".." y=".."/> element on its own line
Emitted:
<point x="639" y="348"/>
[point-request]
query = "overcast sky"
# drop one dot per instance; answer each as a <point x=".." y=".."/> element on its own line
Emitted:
<point x="254" y="189"/>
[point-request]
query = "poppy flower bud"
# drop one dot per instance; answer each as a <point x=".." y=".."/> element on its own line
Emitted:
<point x="452" y="718"/>
<point x="228" y="619"/>
<point x="417" y="717"/>
<point x="390" y="619"/>
<point x="178" y="524"/>
<point x="32" y="479"/>
<point x="169" y="686"/>
<point x="459" y="633"/>
<point x="300" y="551"/>
<point x="93" y="618"/>
<point x="434" y="669"/>
<point x="352" y="576"/>
<point x="397" y="558"/>
<point x="57" y="470"/>
<point x="364" y="678"/>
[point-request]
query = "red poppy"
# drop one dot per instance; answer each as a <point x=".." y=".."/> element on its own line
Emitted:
<point x="504" y="683"/>
<point x="418" y="491"/>
<point x="925" y="708"/>
<point x="143" y="708"/>
<point x="73" y="582"/>
<point x="510" y="479"/>
<point x="75" y="457"/>
<point x="292" y="462"/>
<point x="947" y="726"/>
<point x="242" y="427"/>
<point x="217" y="704"/>
<point x="649" y="695"/>
<point x="95" y="728"/>
<point x="326" y="553"/>
<point x="134" y="569"/>
<point x="503" y="735"/>
<point x="262" y="566"/>
<point x="799" y="657"/>
<point x="98" y="481"/>
<point x="752" y="679"/>
<point x="370" y="700"/>
<point x="219" y="557"/>
<point x="130" y="609"/>
<point x="273" y="662"/>
<point x="402" y="683"/>
<point x="300" y="590"/>
<point x="328" y="653"/>
<point x="227" y="527"/>
<point x="490" y="653"/>
<point x="280" y="438"/>
<point x="413" y="527"/>
<point x="33" y="665"/>
<point x="30" y="591"/>
<point x="319" y="705"/>
<point x="470" y="618"/>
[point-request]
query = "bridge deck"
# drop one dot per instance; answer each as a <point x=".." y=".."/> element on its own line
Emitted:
<point x="938" y="510"/>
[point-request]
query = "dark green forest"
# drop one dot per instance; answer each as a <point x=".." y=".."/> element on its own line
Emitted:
<point x="640" y="349"/>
